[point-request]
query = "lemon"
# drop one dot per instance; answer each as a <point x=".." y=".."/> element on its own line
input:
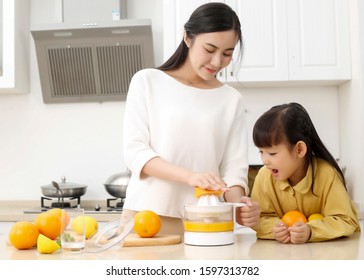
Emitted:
<point x="46" y="245"/>
<point x="315" y="217"/>
<point x="88" y="222"/>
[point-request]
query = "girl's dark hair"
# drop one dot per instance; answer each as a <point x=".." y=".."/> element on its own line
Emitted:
<point x="291" y="123"/>
<point x="210" y="17"/>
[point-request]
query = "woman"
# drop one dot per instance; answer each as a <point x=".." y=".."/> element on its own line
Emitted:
<point x="183" y="128"/>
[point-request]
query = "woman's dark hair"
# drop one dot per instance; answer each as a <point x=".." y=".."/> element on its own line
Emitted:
<point x="210" y="17"/>
<point x="291" y="123"/>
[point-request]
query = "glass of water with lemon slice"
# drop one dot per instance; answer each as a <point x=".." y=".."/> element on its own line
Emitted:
<point x="73" y="229"/>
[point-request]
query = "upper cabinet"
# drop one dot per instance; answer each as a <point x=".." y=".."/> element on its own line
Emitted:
<point x="14" y="46"/>
<point x="284" y="40"/>
<point x="319" y="40"/>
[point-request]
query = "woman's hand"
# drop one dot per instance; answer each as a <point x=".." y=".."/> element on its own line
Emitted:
<point x="281" y="233"/>
<point x="162" y="169"/>
<point x="206" y="181"/>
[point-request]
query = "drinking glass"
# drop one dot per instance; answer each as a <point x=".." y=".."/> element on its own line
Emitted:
<point x="73" y="229"/>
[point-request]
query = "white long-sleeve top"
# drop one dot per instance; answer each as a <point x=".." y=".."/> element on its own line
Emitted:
<point x="202" y="130"/>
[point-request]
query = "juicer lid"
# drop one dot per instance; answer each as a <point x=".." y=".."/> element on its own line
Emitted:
<point x="109" y="235"/>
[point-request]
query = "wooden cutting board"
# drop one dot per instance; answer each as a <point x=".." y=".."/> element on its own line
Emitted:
<point x="134" y="240"/>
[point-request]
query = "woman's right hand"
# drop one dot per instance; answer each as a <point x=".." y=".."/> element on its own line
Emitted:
<point x="207" y="181"/>
<point x="159" y="168"/>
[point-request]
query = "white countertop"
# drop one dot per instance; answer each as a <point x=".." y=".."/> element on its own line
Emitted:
<point x="246" y="246"/>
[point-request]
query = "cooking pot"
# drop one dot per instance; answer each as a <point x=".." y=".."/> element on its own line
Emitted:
<point x="63" y="189"/>
<point x="117" y="184"/>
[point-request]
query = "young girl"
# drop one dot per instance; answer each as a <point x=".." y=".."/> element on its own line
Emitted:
<point x="299" y="173"/>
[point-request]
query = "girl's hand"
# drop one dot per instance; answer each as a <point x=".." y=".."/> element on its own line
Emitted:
<point x="207" y="181"/>
<point x="281" y="233"/>
<point x="250" y="213"/>
<point x="300" y="233"/>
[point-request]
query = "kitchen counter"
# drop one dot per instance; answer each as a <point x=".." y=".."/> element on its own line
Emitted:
<point x="246" y="247"/>
<point x="12" y="211"/>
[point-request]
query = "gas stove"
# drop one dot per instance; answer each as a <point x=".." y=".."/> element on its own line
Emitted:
<point x="113" y="205"/>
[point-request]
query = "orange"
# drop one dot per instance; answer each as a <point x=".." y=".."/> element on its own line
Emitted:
<point x="23" y="235"/>
<point x="292" y="217"/>
<point x="147" y="223"/>
<point x="58" y="213"/>
<point x="200" y="192"/>
<point x="48" y="225"/>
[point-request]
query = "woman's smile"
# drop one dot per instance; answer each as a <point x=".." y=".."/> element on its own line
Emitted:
<point x="210" y="70"/>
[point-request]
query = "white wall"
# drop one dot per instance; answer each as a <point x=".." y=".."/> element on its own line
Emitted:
<point x="40" y="143"/>
<point x="320" y="102"/>
<point x="351" y="100"/>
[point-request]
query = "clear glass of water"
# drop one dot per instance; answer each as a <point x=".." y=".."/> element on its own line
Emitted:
<point x="73" y="233"/>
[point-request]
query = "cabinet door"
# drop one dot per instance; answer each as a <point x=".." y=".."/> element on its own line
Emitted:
<point x="284" y="40"/>
<point x="319" y="43"/>
<point x="263" y="23"/>
<point x="176" y="14"/>
<point x="264" y="30"/>
<point x="86" y="11"/>
<point x="14" y="66"/>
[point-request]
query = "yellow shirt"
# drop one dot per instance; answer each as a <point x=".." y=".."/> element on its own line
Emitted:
<point x="329" y="197"/>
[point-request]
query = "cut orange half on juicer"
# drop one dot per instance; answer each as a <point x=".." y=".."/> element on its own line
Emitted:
<point x="200" y="192"/>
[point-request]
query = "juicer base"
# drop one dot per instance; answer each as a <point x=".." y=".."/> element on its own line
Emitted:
<point x="208" y="238"/>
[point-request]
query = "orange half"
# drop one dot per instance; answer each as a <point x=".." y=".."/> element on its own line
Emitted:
<point x="200" y="192"/>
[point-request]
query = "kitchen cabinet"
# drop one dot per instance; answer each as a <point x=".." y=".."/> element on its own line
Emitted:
<point x="86" y="11"/>
<point x="319" y="41"/>
<point x="14" y="74"/>
<point x="284" y="41"/>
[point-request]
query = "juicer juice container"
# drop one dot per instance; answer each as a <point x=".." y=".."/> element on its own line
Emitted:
<point x="210" y="225"/>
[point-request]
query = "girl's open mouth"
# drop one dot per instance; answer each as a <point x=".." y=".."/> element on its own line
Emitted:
<point x="274" y="172"/>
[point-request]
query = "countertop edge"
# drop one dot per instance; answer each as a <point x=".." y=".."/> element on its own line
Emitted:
<point x="13" y="210"/>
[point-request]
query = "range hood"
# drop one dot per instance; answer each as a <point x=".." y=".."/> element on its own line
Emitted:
<point x="91" y="62"/>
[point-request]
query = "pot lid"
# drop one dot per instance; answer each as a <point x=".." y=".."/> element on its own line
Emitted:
<point x="65" y="185"/>
<point x="119" y="179"/>
<point x="109" y="235"/>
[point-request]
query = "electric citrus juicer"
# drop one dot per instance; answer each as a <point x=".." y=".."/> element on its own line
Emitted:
<point x="210" y="222"/>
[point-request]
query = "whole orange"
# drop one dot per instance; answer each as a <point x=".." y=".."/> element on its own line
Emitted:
<point x="292" y="217"/>
<point x="23" y="235"/>
<point x="58" y="213"/>
<point x="48" y="225"/>
<point x="147" y="223"/>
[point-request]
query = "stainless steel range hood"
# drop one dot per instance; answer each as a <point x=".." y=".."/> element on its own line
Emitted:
<point x="91" y="62"/>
